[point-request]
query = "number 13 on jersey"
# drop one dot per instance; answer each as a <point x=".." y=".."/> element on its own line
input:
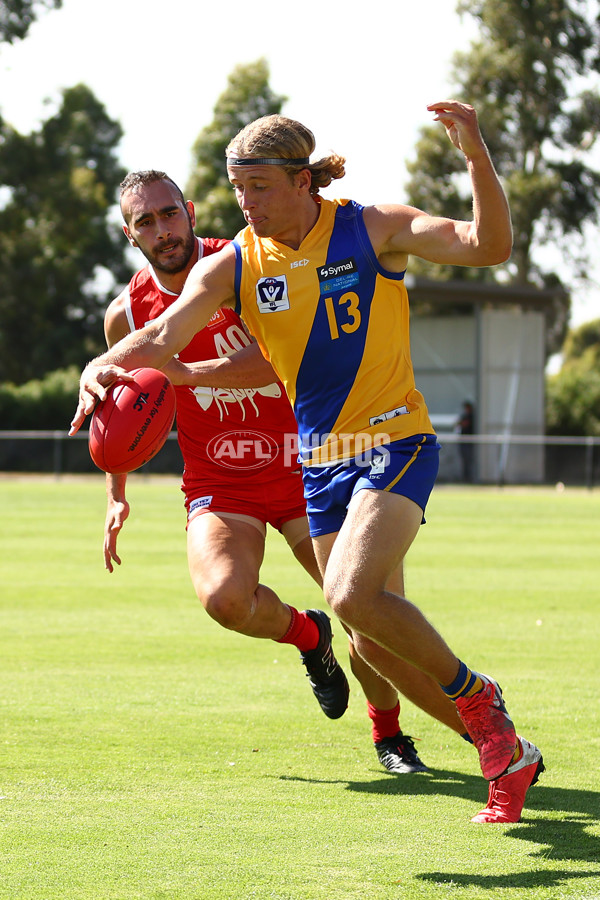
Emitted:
<point x="344" y="314"/>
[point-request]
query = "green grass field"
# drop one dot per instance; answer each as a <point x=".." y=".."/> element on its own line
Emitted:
<point x="147" y="753"/>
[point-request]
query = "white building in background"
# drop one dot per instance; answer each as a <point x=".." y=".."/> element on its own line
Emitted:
<point x="492" y="354"/>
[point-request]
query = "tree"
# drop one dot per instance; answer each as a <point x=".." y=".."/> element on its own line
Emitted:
<point x="247" y="97"/>
<point x="522" y="76"/>
<point x="16" y="16"/>
<point x="60" y="254"/>
<point x="582" y="347"/>
<point x="573" y="402"/>
<point x="573" y="394"/>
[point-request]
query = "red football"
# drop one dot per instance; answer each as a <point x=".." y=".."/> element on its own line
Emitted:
<point x="132" y="424"/>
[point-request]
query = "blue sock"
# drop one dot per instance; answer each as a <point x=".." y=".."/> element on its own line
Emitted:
<point x="462" y="684"/>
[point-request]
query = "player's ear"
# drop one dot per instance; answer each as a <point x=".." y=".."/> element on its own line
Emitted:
<point x="129" y="237"/>
<point x="304" y="179"/>
<point x="191" y="211"/>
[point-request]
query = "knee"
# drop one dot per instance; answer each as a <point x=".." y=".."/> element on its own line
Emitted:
<point x="341" y="598"/>
<point x="228" y="603"/>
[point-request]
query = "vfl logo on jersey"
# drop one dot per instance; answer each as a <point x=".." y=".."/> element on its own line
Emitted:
<point x="338" y="276"/>
<point x="272" y="294"/>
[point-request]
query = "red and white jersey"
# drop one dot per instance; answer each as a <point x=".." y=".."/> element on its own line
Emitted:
<point x="205" y="416"/>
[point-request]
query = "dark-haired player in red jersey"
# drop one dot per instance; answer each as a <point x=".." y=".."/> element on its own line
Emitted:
<point x="227" y="512"/>
<point x="239" y="474"/>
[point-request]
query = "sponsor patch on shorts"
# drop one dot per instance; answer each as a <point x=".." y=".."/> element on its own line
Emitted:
<point x="378" y="464"/>
<point x="199" y="503"/>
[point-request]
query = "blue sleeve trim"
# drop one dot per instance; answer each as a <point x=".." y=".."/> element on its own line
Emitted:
<point x="368" y="246"/>
<point x="238" y="277"/>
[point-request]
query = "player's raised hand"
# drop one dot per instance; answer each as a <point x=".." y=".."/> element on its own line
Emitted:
<point x="94" y="381"/>
<point x="460" y="121"/>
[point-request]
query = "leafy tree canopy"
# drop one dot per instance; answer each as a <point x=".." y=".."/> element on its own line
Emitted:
<point x="573" y="394"/>
<point x="246" y="97"/>
<point x="16" y="16"/>
<point x="529" y="78"/>
<point x="582" y="347"/>
<point x="573" y="402"/>
<point x="60" y="254"/>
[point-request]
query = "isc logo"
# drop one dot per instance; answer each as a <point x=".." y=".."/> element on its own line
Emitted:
<point x="141" y="401"/>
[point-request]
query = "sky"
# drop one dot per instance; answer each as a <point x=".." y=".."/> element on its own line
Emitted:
<point x="358" y="75"/>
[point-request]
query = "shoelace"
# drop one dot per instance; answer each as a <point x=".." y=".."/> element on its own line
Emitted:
<point x="478" y="708"/>
<point x="407" y="746"/>
<point x="497" y="797"/>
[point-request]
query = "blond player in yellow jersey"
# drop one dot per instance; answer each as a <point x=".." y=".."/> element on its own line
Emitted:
<point x="321" y="286"/>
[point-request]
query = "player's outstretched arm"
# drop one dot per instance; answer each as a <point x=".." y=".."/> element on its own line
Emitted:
<point x="247" y="368"/>
<point x="210" y="285"/>
<point x="486" y="240"/>
<point x="117" y="511"/>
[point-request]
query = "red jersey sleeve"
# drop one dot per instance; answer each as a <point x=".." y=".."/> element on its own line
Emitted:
<point x="213" y="245"/>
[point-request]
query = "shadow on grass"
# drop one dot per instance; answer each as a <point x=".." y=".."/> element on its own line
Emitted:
<point x="567" y="838"/>
<point x="539" y="878"/>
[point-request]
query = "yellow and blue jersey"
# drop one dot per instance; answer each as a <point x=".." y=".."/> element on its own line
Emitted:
<point x="335" y="326"/>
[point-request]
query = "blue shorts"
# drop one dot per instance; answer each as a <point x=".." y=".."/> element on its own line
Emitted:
<point x="408" y="467"/>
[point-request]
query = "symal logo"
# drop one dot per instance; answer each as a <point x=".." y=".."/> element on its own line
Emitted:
<point x="272" y="294"/>
<point x="332" y="270"/>
<point x="242" y="449"/>
<point x="338" y="276"/>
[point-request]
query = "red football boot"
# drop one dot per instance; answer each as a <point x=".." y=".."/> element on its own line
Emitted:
<point x="507" y="793"/>
<point x="490" y="727"/>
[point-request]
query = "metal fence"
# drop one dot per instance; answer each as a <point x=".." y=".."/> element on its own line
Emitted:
<point x="56" y="453"/>
<point x="566" y="460"/>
